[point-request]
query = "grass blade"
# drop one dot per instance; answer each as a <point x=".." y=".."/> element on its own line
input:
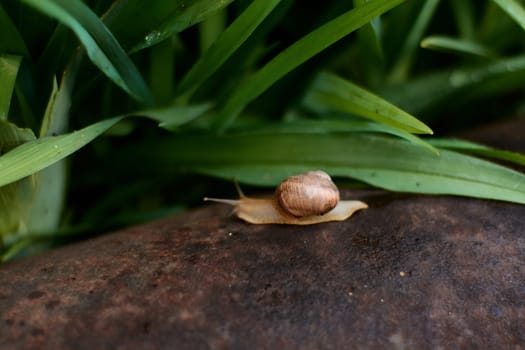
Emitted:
<point x="434" y="90"/>
<point x="370" y="48"/>
<point x="383" y="162"/>
<point x="36" y="155"/>
<point x="100" y="44"/>
<point x="514" y="9"/>
<point x="159" y="20"/>
<point x="326" y="125"/>
<point x="404" y="62"/>
<point x="227" y="43"/>
<point x="10" y="38"/>
<point x="298" y="53"/>
<point x="211" y="28"/>
<point x="161" y="72"/>
<point x="336" y="94"/>
<point x="460" y="46"/>
<point x="16" y="197"/>
<point x="479" y="150"/>
<point x="51" y="182"/>
<point x="465" y="18"/>
<point x="14" y="249"/>
<point x="9" y="65"/>
<point x="174" y="116"/>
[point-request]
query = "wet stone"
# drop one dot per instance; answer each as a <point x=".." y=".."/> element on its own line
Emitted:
<point x="410" y="272"/>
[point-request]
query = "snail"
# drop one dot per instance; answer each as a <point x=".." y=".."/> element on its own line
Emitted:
<point x="303" y="199"/>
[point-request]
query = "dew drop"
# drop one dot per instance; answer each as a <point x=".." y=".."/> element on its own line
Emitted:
<point x="152" y="37"/>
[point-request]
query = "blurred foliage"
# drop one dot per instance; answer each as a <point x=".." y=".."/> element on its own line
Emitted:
<point x="172" y="98"/>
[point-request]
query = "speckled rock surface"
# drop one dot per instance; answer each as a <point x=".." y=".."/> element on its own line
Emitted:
<point x="410" y="272"/>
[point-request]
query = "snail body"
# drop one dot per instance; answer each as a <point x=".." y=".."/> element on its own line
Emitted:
<point x="304" y="199"/>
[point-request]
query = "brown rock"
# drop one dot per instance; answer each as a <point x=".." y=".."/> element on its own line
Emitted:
<point x="410" y="272"/>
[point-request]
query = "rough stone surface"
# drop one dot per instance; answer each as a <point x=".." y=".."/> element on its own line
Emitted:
<point x="410" y="272"/>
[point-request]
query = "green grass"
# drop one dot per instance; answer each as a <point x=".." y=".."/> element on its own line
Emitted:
<point x="113" y="111"/>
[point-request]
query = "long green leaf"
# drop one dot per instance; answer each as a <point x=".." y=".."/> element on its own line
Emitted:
<point x="461" y="46"/>
<point x="14" y="249"/>
<point x="371" y="55"/>
<point x="50" y="190"/>
<point x="158" y="20"/>
<point x="334" y="93"/>
<point x="36" y="155"/>
<point x="12" y="136"/>
<point x="514" y="9"/>
<point x="172" y="117"/>
<point x="11" y="40"/>
<point x="211" y="28"/>
<point x="100" y="44"/>
<point x="407" y="53"/>
<point x="434" y="90"/>
<point x="383" y="162"/>
<point x="298" y="53"/>
<point x="9" y="65"/>
<point x="227" y="43"/>
<point x="478" y="149"/>
<point x="15" y="198"/>
<point x="330" y="125"/>
<point x="464" y="13"/>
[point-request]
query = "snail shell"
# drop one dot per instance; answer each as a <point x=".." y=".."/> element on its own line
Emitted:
<point x="304" y="199"/>
<point x="311" y="193"/>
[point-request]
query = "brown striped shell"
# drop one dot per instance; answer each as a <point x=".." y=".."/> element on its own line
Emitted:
<point x="311" y="193"/>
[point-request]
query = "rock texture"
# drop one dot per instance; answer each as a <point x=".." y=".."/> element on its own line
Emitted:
<point x="410" y="272"/>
